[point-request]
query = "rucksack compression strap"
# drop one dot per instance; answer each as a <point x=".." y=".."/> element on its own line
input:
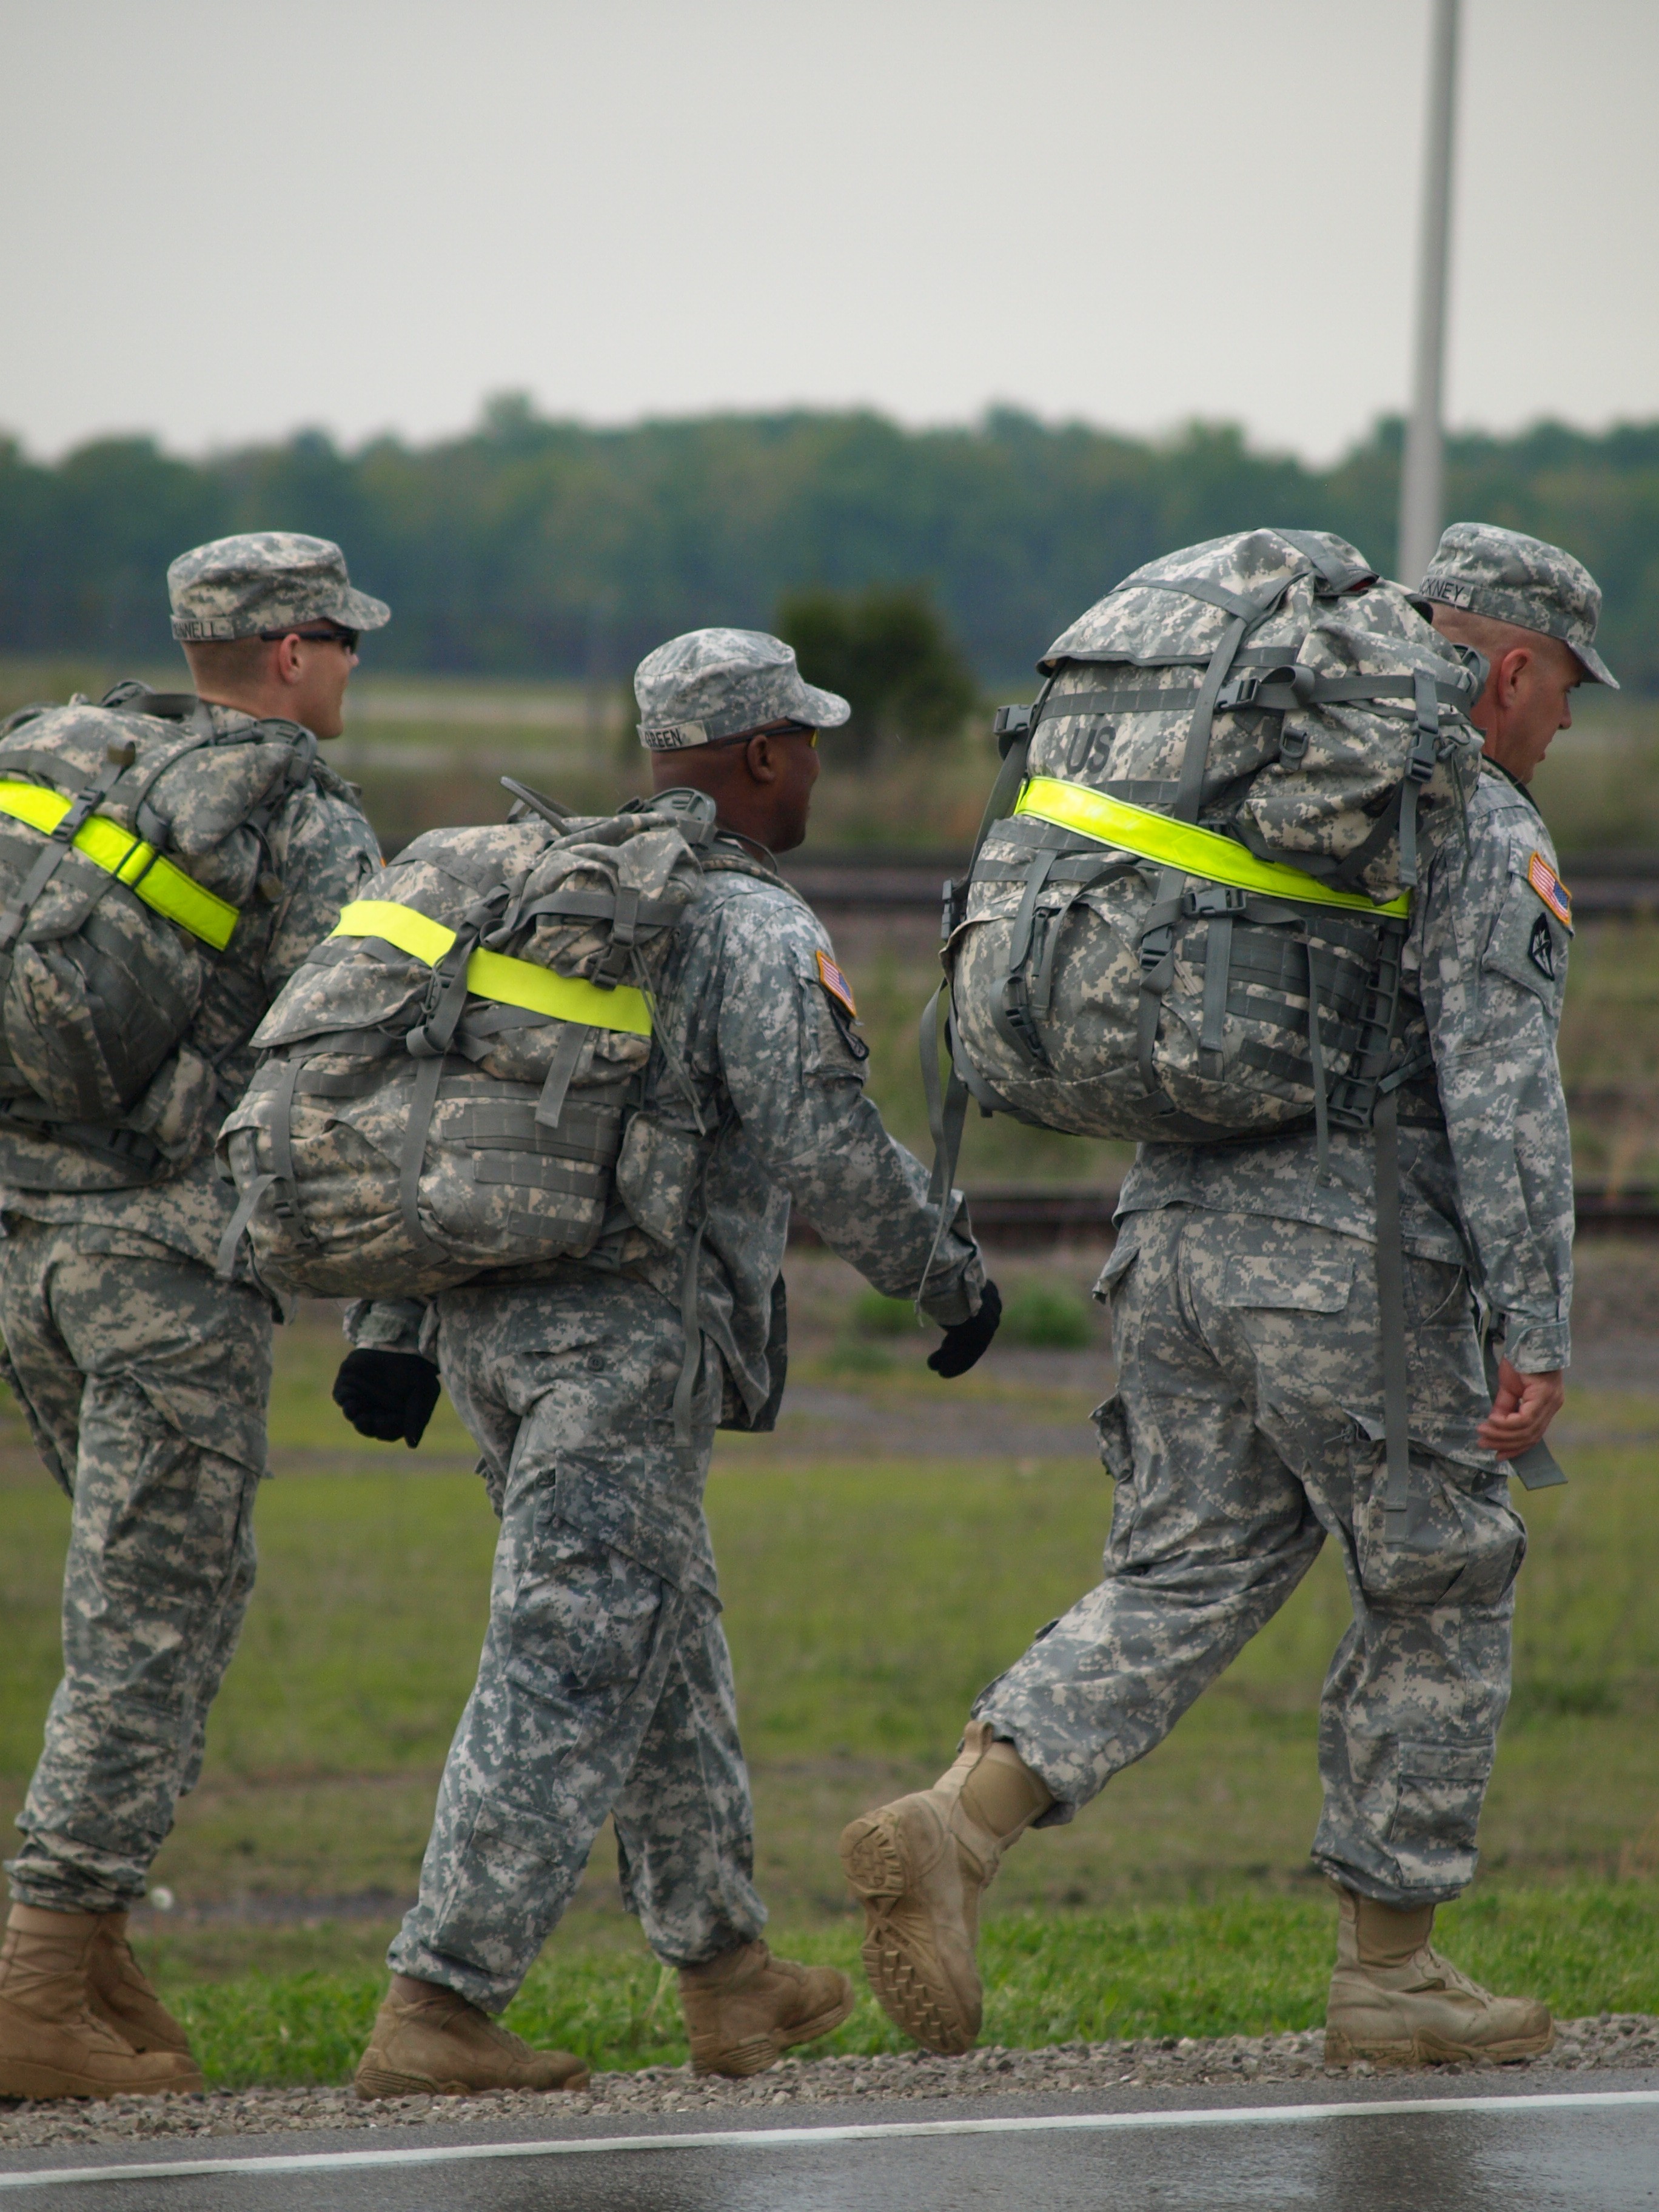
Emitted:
<point x="1183" y="845"/>
<point x="162" y="885"/>
<point x="496" y="975"/>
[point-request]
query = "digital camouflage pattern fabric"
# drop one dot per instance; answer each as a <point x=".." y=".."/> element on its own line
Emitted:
<point x="144" y="1383"/>
<point x="605" y="1685"/>
<point x="754" y="1103"/>
<point x="317" y="855"/>
<point x="1486" y="1155"/>
<point x="1244" y="1433"/>
<point x="1480" y="570"/>
<point x="1247" y="1424"/>
<point x="265" y="580"/>
<point x="108" y="1304"/>
<point x="519" y="1134"/>
<point x="715" y="683"/>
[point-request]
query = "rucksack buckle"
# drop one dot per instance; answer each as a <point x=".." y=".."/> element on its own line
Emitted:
<point x="954" y="911"/>
<point x="1211" y="901"/>
<point x="1238" y="691"/>
<point x="1008" y="725"/>
<point x="1157" y="945"/>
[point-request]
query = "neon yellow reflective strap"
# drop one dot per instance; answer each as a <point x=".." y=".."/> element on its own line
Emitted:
<point x="1182" y="845"/>
<point x="497" y="976"/>
<point x="162" y="885"/>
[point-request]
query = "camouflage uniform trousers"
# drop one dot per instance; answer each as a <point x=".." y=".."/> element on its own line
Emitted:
<point x="144" y="1382"/>
<point x="605" y="1685"/>
<point x="1246" y="1430"/>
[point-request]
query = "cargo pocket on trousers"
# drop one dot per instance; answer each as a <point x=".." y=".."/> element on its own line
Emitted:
<point x="1438" y="1796"/>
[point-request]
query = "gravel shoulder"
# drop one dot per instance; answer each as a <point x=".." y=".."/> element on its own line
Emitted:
<point x="1622" y="2043"/>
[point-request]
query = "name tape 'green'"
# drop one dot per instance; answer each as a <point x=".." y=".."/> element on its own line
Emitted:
<point x="169" y="889"/>
<point x="496" y="975"/>
<point x="1182" y="845"/>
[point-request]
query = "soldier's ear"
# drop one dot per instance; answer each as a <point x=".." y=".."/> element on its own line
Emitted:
<point x="760" y="757"/>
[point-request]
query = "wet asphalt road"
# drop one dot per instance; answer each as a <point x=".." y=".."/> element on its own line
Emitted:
<point x="1473" y="2146"/>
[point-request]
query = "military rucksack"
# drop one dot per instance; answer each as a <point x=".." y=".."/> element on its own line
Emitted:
<point x="1185" y="922"/>
<point x="446" y="1079"/>
<point x="132" y="835"/>
<point x="1186" y="911"/>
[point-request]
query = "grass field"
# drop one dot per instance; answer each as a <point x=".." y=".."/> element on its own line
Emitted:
<point x="868" y="1596"/>
<point x="882" y="1558"/>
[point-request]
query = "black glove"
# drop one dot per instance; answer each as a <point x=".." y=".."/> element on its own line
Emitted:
<point x="965" y="1340"/>
<point x="388" y="1394"/>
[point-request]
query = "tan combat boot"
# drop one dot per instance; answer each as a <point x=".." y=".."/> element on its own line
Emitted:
<point x="745" y="2008"/>
<point x="120" y="1994"/>
<point x="919" y="1865"/>
<point x="428" y="2041"/>
<point x="1394" y="1998"/>
<point x="52" y="2042"/>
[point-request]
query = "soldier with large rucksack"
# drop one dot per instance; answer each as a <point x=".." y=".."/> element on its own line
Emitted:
<point x="167" y="861"/>
<point x="544" y="1101"/>
<point x="1249" y="892"/>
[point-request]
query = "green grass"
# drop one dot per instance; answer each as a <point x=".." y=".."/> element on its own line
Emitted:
<point x="1243" y="1966"/>
<point x="867" y="1599"/>
<point x="1048" y="1317"/>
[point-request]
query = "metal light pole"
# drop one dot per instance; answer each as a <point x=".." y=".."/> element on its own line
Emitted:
<point x="1421" y="516"/>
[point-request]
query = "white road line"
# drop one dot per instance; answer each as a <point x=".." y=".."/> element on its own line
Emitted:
<point x="1247" y="2116"/>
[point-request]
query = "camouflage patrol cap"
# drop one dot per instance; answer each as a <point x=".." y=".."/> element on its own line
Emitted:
<point x="265" y="580"/>
<point x="714" y="684"/>
<point x="1483" y="570"/>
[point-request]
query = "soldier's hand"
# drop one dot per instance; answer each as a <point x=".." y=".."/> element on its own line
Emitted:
<point x="1523" y="1408"/>
<point x="388" y="1394"/>
<point x="965" y="1340"/>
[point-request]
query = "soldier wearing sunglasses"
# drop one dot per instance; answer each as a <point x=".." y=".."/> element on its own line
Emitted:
<point x="143" y="1374"/>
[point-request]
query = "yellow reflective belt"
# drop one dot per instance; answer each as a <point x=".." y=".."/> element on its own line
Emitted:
<point x="129" y="860"/>
<point x="1182" y="845"/>
<point x="495" y="974"/>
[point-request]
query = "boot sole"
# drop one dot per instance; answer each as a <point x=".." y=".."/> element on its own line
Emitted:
<point x="371" y="2082"/>
<point x="912" y="1998"/>
<point x="27" y="2077"/>
<point x="1433" y="2049"/>
<point x="761" y="2052"/>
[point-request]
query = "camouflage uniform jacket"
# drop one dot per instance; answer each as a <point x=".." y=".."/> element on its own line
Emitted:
<point x="1490" y="1189"/>
<point x="321" y="849"/>
<point x="756" y="1045"/>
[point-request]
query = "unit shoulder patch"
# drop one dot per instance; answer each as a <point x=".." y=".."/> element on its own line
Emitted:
<point x="1540" y="949"/>
<point x="1550" y="888"/>
<point x="836" y="985"/>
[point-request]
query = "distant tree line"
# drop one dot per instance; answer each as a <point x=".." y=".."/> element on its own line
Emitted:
<point x="531" y="546"/>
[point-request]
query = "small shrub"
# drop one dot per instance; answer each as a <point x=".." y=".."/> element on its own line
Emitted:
<point x="1049" y="1318"/>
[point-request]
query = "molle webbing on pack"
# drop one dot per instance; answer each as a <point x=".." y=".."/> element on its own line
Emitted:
<point x="1117" y="970"/>
<point x="162" y="886"/>
<point x="447" y="1079"/>
<point x="533" y="1136"/>
<point x="497" y="976"/>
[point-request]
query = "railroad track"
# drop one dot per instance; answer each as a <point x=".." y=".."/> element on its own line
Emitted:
<point x="1605" y="885"/>
<point x="1010" y="1215"/>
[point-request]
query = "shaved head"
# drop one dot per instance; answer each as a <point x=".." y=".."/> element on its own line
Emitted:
<point x="1495" y="639"/>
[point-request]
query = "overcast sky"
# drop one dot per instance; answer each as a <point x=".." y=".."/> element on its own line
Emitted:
<point x="223" y="221"/>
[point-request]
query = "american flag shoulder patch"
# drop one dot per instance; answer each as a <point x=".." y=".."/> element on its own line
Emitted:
<point x="837" y="984"/>
<point x="1550" y="888"/>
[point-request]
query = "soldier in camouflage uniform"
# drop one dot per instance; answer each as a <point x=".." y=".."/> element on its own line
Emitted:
<point x="144" y="1379"/>
<point x="1247" y="1427"/>
<point x="605" y="1685"/>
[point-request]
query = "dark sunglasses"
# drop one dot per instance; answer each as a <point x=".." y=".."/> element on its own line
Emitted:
<point x="337" y="633"/>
